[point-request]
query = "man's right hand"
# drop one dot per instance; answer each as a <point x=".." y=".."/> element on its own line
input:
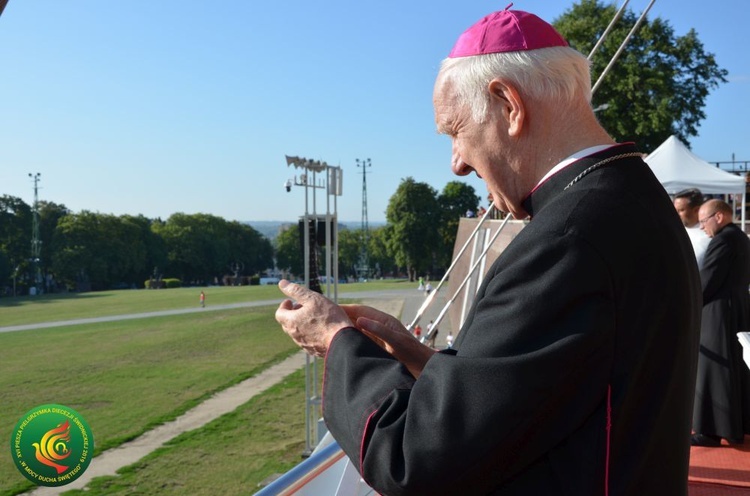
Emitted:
<point x="391" y="335"/>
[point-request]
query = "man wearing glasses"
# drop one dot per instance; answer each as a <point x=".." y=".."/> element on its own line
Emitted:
<point x="722" y="396"/>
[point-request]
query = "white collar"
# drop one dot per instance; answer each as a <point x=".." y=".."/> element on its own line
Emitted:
<point x="576" y="156"/>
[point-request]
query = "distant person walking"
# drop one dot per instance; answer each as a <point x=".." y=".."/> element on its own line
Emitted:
<point x="203" y="299"/>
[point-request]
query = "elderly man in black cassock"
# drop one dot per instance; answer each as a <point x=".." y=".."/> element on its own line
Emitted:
<point x="574" y="372"/>
<point x="722" y="394"/>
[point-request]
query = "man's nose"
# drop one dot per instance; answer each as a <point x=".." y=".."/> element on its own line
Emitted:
<point x="459" y="167"/>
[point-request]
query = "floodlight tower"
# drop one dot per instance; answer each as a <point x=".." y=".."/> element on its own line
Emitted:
<point x="364" y="261"/>
<point x="36" y="242"/>
<point x="312" y="221"/>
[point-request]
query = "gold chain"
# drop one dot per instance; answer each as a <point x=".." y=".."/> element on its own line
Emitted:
<point x="600" y="164"/>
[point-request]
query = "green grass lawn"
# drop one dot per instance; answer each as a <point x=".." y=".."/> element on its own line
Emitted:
<point x="229" y="456"/>
<point x="128" y="376"/>
<point x="54" y="307"/>
<point x="125" y="377"/>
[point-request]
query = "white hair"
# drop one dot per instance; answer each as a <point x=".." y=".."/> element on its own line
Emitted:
<point x="555" y="73"/>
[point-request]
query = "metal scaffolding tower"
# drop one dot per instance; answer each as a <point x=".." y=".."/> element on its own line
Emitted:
<point x="312" y="225"/>
<point x="363" y="271"/>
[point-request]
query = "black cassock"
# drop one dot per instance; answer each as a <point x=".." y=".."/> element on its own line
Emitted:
<point x="722" y="393"/>
<point x="574" y="371"/>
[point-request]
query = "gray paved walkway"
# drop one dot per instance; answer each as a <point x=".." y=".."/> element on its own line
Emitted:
<point x="412" y="301"/>
<point x="161" y="313"/>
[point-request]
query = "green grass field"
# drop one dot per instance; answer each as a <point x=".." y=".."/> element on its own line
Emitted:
<point x="126" y="377"/>
<point x="229" y="456"/>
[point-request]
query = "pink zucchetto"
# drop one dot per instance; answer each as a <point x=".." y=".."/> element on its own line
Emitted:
<point x="507" y="31"/>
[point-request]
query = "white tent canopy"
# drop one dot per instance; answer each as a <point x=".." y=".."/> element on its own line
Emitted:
<point x="678" y="168"/>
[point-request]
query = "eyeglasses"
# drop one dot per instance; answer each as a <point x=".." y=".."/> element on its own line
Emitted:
<point x="704" y="220"/>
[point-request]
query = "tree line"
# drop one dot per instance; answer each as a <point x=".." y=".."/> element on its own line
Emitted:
<point x="94" y="251"/>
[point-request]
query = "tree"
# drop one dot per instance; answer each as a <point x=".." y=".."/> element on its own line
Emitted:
<point x="288" y="251"/>
<point x="50" y="214"/>
<point x="249" y="248"/>
<point x="15" y="236"/>
<point x="350" y="241"/>
<point x="381" y="260"/>
<point x="6" y="272"/>
<point x="197" y="246"/>
<point x="97" y="251"/>
<point x="412" y="214"/>
<point x="457" y="197"/>
<point x="149" y="246"/>
<point x="154" y="246"/>
<point x="659" y="85"/>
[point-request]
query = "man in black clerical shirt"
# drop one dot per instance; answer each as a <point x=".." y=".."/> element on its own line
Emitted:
<point x="574" y="372"/>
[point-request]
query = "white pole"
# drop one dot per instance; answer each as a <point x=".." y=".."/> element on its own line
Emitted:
<point x="622" y="47"/>
<point x="609" y="28"/>
<point x="428" y="301"/>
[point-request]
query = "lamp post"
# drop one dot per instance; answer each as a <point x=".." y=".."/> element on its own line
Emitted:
<point x="36" y="242"/>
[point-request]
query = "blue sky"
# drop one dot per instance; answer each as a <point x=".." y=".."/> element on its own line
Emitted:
<point x="155" y="107"/>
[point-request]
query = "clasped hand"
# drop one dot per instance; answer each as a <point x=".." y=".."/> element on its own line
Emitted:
<point x="312" y="320"/>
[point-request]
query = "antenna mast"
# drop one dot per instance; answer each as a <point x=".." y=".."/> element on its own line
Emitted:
<point x="364" y="262"/>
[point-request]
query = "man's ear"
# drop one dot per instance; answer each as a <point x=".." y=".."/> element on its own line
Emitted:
<point x="506" y="97"/>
